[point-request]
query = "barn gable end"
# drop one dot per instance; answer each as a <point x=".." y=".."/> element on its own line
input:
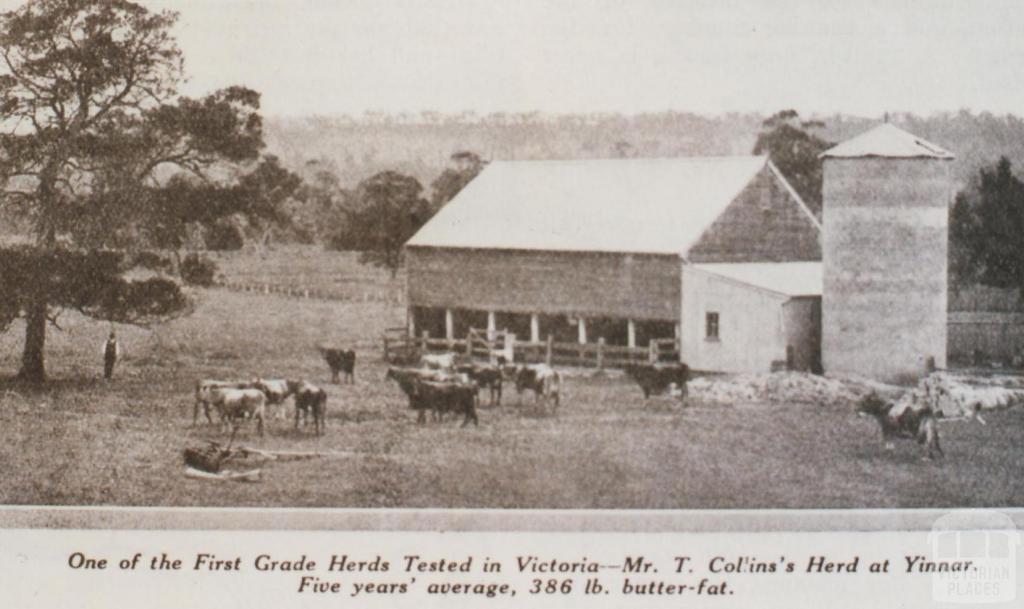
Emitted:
<point x="766" y="222"/>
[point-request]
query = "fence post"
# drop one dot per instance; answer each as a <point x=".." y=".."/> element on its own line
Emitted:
<point x="469" y="345"/>
<point x="547" y="356"/>
<point x="386" y="358"/>
<point x="652" y="351"/>
<point x="600" y="353"/>
<point x="423" y="342"/>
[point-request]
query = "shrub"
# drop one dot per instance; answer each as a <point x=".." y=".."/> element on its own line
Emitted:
<point x="198" y="270"/>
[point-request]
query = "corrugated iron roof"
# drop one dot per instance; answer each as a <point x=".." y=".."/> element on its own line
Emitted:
<point x="659" y="206"/>
<point x="787" y="278"/>
<point x="887" y="140"/>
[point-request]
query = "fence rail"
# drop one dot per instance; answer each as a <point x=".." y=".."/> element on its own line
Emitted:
<point x="291" y="291"/>
<point x="480" y="345"/>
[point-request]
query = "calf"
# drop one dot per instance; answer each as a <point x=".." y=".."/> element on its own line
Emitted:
<point x="542" y="380"/>
<point x="240" y="403"/>
<point x="204" y="395"/>
<point x="310" y="399"/>
<point x="909" y="423"/>
<point x="485" y="376"/>
<point x="340" y="361"/>
<point x="657" y="378"/>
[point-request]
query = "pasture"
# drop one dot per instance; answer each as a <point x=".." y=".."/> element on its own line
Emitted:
<point x="80" y="441"/>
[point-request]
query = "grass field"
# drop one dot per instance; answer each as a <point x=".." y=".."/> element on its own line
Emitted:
<point x="81" y="441"/>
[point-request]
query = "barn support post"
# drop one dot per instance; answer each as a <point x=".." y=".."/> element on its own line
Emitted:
<point x="449" y="326"/>
<point x="534" y="328"/>
<point x="411" y="320"/>
<point x="582" y="331"/>
<point x="423" y="342"/>
<point x="547" y="355"/>
<point x="510" y="347"/>
<point x="492" y="325"/>
<point x="652" y="351"/>
<point x="600" y="353"/>
<point x="631" y="334"/>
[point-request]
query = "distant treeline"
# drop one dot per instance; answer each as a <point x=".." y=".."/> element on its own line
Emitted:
<point x="421" y="145"/>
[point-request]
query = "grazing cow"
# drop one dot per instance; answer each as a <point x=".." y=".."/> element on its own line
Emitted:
<point x="310" y="399"/>
<point x="340" y="360"/>
<point x="204" y="395"/>
<point x="240" y="403"/>
<point x="909" y="423"/>
<point x="541" y="379"/>
<point x="445" y="397"/>
<point x="277" y="391"/>
<point x="657" y="378"/>
<point x="485" y="376"/>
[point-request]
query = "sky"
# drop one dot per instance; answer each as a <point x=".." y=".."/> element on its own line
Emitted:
<point x="861" y="57"/>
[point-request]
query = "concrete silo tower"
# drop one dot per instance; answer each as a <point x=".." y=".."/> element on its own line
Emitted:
<point x="886" y="196"/>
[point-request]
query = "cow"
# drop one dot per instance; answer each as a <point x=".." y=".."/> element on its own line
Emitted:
<point x="439" y="361"/>
<point x="541" y="379"/>
<point x="204" y="398"/>
<point x="311" y="400"/>
<point x="657" y="378"/>
<point x="277" y="391"/>
<point x="445" y="397"/>
<point x="240" y="403"/>
<point x="485" y="376"/>
<point x="909" y="423"/>
<point x="340" y="361"/>
<point x="406" y="378"/>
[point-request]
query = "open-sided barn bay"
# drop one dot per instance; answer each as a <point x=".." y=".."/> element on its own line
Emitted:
<point x="79" y="441"/>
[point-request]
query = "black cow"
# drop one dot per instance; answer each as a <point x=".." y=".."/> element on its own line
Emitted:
<point x="340" y="360"/>
<point x="485" y="376"/>
<point x="919" y="425"/>
<point x="406" y="378"/>
<point x="445" y="397"/>
<point x="657" y="378"/>
<point x="311" y="400"/>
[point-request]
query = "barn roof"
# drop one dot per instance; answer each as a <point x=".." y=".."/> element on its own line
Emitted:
<point x="658" y="206"/>
<point x="887" y="140"/>
<point x="786" y="278"/>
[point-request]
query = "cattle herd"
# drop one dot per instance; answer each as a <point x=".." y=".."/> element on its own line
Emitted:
<point x="441" y="384"/>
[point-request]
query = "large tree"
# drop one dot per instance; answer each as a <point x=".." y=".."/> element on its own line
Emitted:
<point x="90" y="124"/>
<point x="986" y="226"/>
<point x="391" y="208"/>
<point x="789" y="143"/>
<point x="466" y="165"/>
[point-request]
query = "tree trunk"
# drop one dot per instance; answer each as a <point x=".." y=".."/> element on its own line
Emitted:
<point x="33" y="367"/>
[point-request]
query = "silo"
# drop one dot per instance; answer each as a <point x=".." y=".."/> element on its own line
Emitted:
<point x="886" y="197"/>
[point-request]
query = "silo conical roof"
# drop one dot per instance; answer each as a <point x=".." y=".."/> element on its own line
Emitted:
<point x="887" y="141"/>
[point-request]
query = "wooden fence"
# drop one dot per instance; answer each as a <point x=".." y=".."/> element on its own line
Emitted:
<point x="980" y="338"/>
<point x="291" y="291"/>
<point x="478" y="345"/>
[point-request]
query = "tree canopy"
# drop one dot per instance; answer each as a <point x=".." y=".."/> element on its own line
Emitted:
<point x="986" y="225"/>
<point x="389" y="211"/>
<point x="786" y="141"/>
<point x="90" y="128"/>
<point x="467" y="165"/>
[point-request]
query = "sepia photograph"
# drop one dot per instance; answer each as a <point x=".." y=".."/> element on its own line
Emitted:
<point x="479" y="255"/>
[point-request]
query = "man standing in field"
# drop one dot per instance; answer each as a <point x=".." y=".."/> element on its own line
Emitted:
<point x="111" y="353"/>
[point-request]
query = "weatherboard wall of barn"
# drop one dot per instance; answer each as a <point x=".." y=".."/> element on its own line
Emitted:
<point x="633" y="286"/>
<point x="767" y="222"/>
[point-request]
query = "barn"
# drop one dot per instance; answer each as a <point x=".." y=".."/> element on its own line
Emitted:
<point x="718" y="254"/>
